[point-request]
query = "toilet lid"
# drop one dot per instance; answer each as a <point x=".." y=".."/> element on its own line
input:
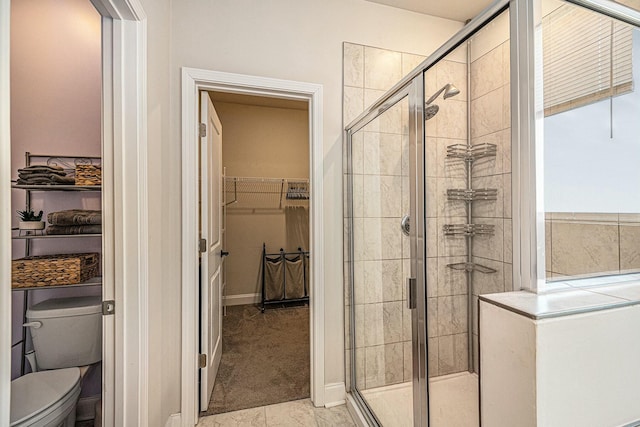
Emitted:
<point x="36" y="392"/>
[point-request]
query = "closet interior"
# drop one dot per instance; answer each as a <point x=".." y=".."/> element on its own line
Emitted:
<point x="265" y="230"/>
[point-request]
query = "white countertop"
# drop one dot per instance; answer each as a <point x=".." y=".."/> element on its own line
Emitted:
<point x="569" y="297"/>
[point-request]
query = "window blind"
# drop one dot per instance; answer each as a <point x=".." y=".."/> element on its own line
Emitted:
<point x="587" y="57"/>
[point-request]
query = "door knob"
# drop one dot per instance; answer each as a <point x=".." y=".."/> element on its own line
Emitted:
<point x="223" y="254"/>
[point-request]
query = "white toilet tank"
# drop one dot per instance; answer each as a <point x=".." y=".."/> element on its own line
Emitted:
<point x="66" y="332"/>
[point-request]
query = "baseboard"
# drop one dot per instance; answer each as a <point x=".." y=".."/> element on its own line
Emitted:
<point x="174" y="420"/>
<point x="334" y="394"/>
<point x="86" y="408"/>
<point x="356" y="414"/>
<point x="242" y="299"/>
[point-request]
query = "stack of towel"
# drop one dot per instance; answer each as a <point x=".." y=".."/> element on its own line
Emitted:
<point x="44" y="175"/>
<point x="74" y="221"/>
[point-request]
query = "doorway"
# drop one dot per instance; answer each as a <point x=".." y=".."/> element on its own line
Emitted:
<point x="264" y="255"/>
<point x="195" y="81"/>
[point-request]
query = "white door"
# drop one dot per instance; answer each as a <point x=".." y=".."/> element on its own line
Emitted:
<point x="210" y="259"/>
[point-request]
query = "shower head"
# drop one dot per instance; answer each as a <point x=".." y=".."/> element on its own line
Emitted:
<point x="449" y="90"/>
<point x="431" y="111"/>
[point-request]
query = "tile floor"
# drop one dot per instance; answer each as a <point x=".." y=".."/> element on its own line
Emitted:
<point x="299" y="413"/>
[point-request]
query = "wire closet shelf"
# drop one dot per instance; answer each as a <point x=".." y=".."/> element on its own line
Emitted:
<point x="265" y="193"/>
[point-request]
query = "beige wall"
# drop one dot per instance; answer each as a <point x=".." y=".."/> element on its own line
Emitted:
<point x="259" y="141"/>
<point x="292" y="40"/>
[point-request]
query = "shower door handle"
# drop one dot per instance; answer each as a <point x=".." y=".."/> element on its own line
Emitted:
<point x="411" y="292"/>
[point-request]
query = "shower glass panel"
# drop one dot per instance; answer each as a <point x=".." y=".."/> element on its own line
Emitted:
<point x="381" y="264"/>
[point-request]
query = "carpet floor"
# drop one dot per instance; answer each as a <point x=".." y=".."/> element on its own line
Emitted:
<point x="265" y="358"/>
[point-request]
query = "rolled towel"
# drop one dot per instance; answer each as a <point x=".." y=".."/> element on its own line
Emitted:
<point x="74" y="229"/>
<point x="75" y="217"/>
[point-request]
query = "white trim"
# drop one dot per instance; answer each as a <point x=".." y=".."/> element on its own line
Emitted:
<point x="241" y="299"/>
<point x="124" y="193"/>
<point x="174" y="420"/>
<point x="5" y="214"/>
<point x="354" y="411"/>
<point x="335" y="394"/>
<point x="194" y="80"/>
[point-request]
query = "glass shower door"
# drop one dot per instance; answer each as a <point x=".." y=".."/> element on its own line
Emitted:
<point x="388" y="338"/>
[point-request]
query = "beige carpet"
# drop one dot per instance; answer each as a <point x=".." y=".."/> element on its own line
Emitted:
<point x="265" y="358"/>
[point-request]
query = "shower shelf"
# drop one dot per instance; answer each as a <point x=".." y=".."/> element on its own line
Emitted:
<point x="471" y="153"/>
<point x="471" y="266"/>
<point x="471" y="195"/>
<point x="468" y="229"/>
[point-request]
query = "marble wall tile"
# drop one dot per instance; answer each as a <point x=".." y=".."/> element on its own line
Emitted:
<point x="373" y="322"/>
<point x="358" y="241"/>
<point x="476" y="354"/>
<point x="487" y="73"/>
<point x="452" y="315"/>
<point x="404" y="169"/>
<point x="630" y="246"/>
<point x="508" y="278"/>
<point x="392" y="281"/>
<point x="433" y="318"/>
<point x="452" y="119"/>
<point x="371" y="240"/>
<point x="432" y="157"/>
<point x="410" y="61"/>
<point x="508" y="241"/>
<point x="507" y="194"/>
<point x="353" y="104"/>
<point x="431" y="81"/>
<point x="475" y="318"/>
<point x="391" y="238"/>
<point x="406" y="196"/>
<point x="433" y="280"/>
<point x="357" y="153"/>
<point x="491" y="165"/>
<point x="394" y="363"/>
<point x="407" y="353"/>
<point x="391" y="120"/>
<point x="488" y="283"/>
<point x="487" y="114"/>
<point x="432" y="233"/>
<point x="392" y="321"/>
<point x="452" y="354"/>
<point x="353" y="66"/>
<point x="431" y="197"/>
<point x="506" y="106"/>
<point x="406" y="243"/>
<point x="506" y="62"/>
<point x="432" y="358"/>
<point x="359" y="327"/>
<point x="450" y="281"/>
<point x="489" y="208"/>
<point x="371" y="289"/>
<point x="382" y="196"/>
<point x="384" y="365"/>
<point x="454" y="73"/>
<point x="584" y="248"/>
<point x="382" y="68"/>
<point x="358" y="196"/>
<point x="406" y="323"/>
<point x="382" y="154"/>
<point x="490" y="246"/>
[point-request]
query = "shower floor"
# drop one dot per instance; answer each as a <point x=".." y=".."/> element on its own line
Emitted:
<point x="454" y="402"/>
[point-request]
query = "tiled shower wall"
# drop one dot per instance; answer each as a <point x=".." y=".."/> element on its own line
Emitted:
<point x="446" y="288"/>
<point x="381" y="252"/>
<point x="491" y="123"/>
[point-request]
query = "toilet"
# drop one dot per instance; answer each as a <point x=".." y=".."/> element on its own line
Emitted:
<point x="66" y="334"/>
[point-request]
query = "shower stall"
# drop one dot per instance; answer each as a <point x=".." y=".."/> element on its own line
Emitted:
<point x="428" y="229"/>
<point x="429" y="223"/>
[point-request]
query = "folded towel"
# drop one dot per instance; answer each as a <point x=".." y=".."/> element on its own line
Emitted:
<point x="74" y="229"/>
<point x="51" y="179"/>
<point x="75" y="217"/>
<point x="43" y="168"/>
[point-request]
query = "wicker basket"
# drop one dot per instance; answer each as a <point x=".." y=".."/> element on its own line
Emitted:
<point x="88" y="175"/>
<point x="53" y="270"/>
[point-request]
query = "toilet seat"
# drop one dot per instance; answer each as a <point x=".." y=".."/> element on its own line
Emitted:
<point x="44" y="398"/>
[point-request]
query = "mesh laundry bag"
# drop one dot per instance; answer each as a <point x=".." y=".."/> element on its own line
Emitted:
<point x="295" y="278"/>
<point x="273" y="275"/>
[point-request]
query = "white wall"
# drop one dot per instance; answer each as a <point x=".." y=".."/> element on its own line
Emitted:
<point x="295" y="40"/>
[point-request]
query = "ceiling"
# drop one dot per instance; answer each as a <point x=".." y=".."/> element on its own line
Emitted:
<point x="259" y="101"/>
<point x="458" y="10"/>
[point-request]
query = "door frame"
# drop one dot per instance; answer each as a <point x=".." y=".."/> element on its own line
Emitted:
<point x="193" y="81"/>
<point x="125" y="241"/>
